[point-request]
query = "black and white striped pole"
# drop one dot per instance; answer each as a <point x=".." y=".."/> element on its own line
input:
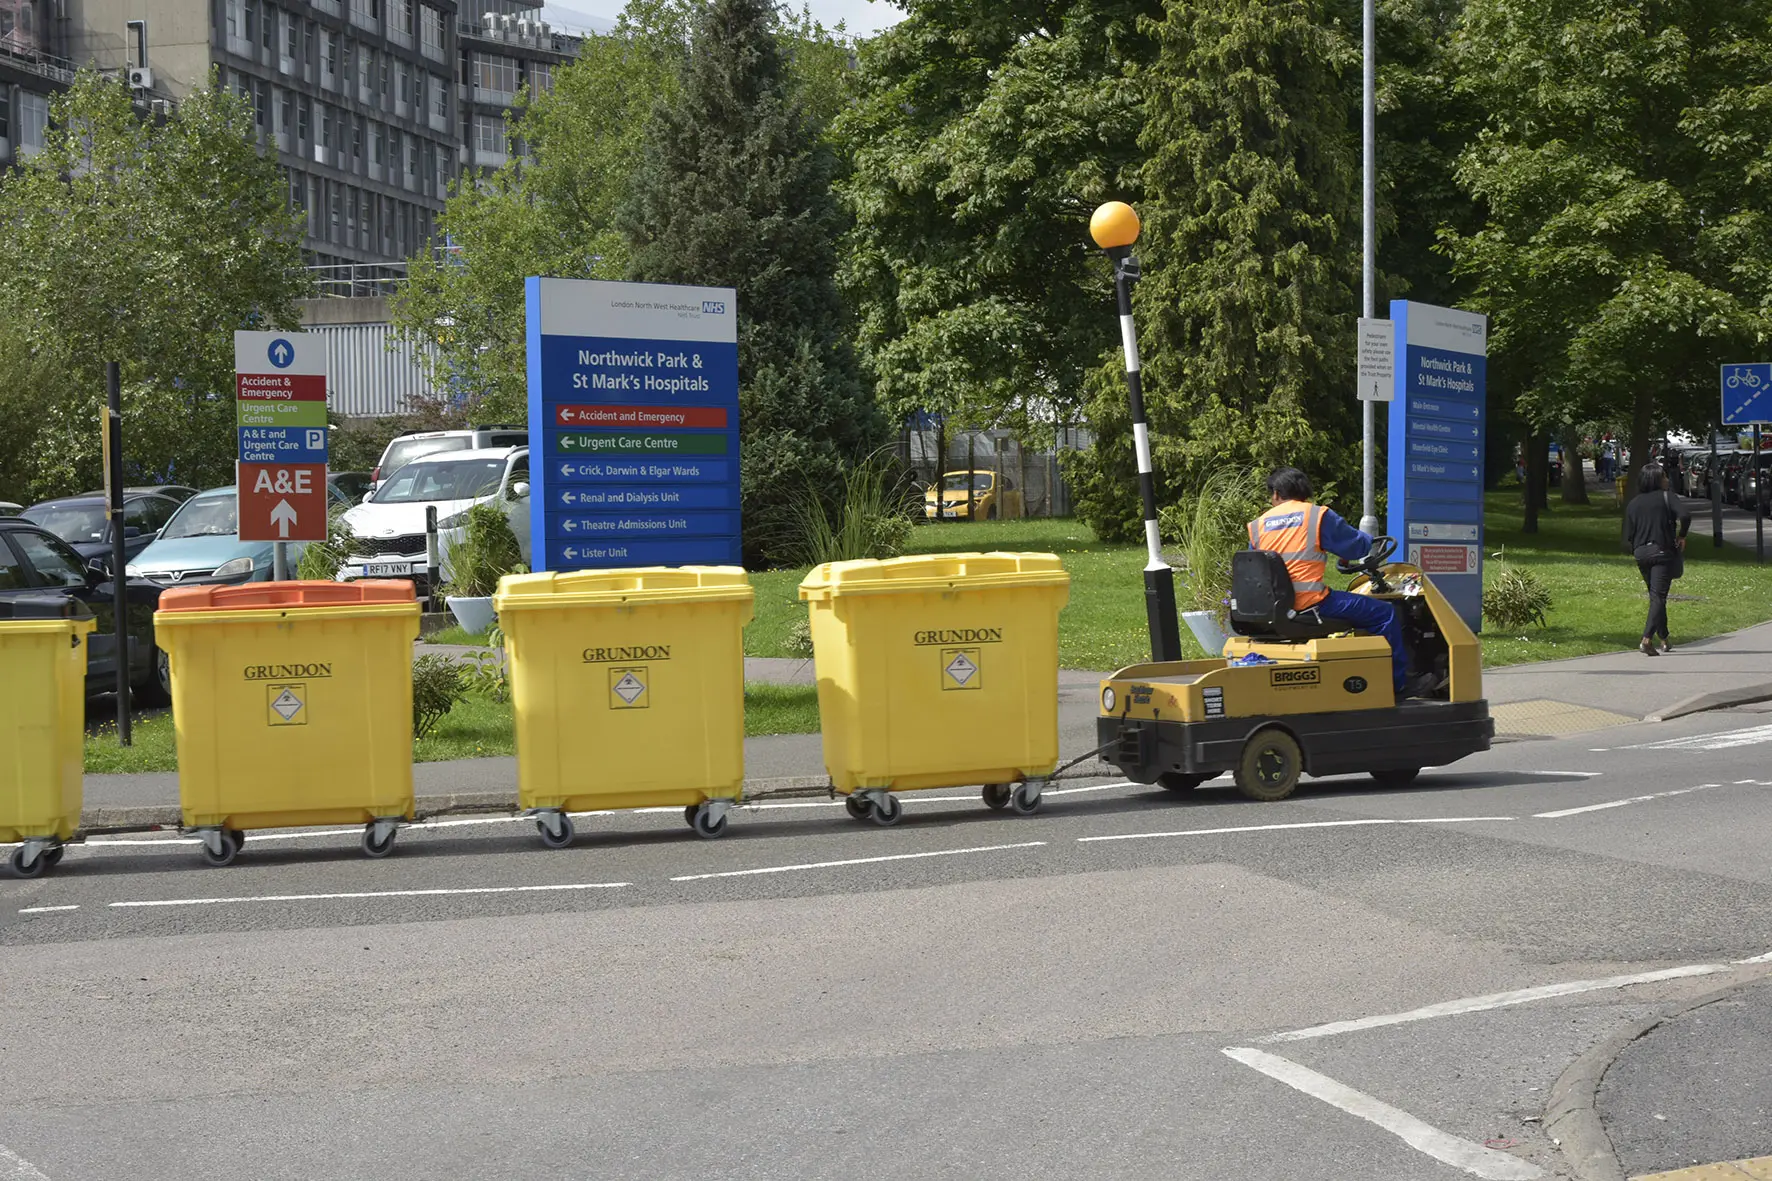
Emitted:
<point x="1115" y="228"/>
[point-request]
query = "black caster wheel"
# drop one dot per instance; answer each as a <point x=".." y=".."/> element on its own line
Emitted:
<point x="230" y="849"/>
<point x="707" y="826"/>
<point x="689" y="814"/>
<point x="54" y="856"/>
<point x="38" y="867"/>
<point x="858" y="806"/>
<point x="239" y="837"/>
<point x="1178" y="782"/>
<point x="1022" y="801"/>
<point x="552" y="839"/>
<point x="887" y="811"/>
<point x="371" y="848"/>
<point x="996" y="796"/>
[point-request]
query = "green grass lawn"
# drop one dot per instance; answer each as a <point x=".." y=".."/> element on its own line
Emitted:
<point x="478" y="727"/>
<point x="455" y="634"/>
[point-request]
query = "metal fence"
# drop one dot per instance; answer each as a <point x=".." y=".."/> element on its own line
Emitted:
<point x="1039" y="472"/>
<point x="357" y="280"/>
<point x="371" y="371"/>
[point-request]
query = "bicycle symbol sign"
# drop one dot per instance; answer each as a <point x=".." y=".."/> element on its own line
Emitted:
<point x="1747" y="394"/>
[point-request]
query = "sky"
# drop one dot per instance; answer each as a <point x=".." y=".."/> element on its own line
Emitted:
<point x="863" y="17"/>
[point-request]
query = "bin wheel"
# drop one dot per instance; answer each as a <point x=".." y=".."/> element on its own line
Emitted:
<point x="371" y="849"/>
<point x="887" y="811"/>
<point x="230" y="849"/>
<point x="1270" y="766"/>
<point x="1179" y="782"/>
<point x="707" y="825"/>
<point x="36" y="869"/>
<point x="1396" y="778"/>
<point x="1023" y="801"/>
<point x="555" y="840"/>
<point x="858" y="806"/>
<point x="996" y="796"/>
<point x="239" y="837"/>
<point x="54" y="856"/>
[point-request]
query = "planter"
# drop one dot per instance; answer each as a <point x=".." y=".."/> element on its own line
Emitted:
<point x="474" y="614"/>
<point x="1203" y="624"/>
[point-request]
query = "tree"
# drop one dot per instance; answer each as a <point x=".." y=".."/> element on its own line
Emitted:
<point x="984" y="134"/>
<point x="1626" y="249"/>
<point x="1251" y="252"/>
<point x="734" y="189"/>
<point x="148" y="243"/>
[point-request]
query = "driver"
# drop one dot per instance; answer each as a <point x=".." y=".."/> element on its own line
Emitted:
<point x="1304" y="534"/>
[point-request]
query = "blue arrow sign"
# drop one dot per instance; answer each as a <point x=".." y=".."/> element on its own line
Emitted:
<point x="281" y="353"/>
<point x="282" y="444"/>
<point x="1747" y="394"/>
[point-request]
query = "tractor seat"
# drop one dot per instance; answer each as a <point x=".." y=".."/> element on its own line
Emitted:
<point x="1262" y="598"/>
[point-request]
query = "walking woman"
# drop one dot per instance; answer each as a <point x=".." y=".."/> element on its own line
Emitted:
<point x="1655" y="528"/>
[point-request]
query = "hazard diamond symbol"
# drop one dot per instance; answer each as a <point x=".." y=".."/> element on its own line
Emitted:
<point x="285" y="704"/>
<point x="961" y="668"/>
<point x="628" y="685"/>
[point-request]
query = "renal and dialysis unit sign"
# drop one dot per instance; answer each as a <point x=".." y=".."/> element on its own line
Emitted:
<point x="1436" y="448"/>
<point x="633" y="424"/>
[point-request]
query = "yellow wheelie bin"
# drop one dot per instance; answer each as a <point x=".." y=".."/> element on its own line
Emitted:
<point x="938" y="671"/>
<point x="292" y="703"/>
<point x="628" y="689"/>
<point x="42" y="727"/>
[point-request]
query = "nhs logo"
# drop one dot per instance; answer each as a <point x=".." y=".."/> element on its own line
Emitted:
<point x="713" y="307"/>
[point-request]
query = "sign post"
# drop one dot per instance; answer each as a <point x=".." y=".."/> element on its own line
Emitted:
<point x="1747" y="401"/>
<point x="633" y="425"/>
<point x="280" y="414"/>
<point x="1436" y="447"/>
<point x="113" y="454"/>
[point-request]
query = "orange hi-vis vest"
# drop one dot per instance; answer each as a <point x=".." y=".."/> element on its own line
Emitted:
<point x="1290" y="529"/>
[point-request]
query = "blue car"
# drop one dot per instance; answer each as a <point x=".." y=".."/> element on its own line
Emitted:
<point x="201" y="544"/>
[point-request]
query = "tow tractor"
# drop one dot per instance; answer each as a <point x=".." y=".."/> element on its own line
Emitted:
<point x="1296" y="695"/>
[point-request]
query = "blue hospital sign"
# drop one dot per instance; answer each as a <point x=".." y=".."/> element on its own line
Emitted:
<point x="633" y="424"/>
<point x="1435" y="482"/>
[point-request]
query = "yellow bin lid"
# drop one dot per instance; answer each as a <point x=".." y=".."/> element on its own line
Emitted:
<point x="648" y="584"/>
<point x="925" y="572"/>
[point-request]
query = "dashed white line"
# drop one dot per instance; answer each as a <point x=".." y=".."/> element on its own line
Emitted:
<point x="1659" y="795"/>
<point x="375" y="894"/>
<point x="14" y="1167"/>
<point x="1496" y="1000"/>
<point x="1758" y="959"/>
<point x="1208" y="832"/>
<point x="45" y="909"/>
<point x="1423" y="1137"/>
<point x="1726" y="740"/>
<point x="740" y="873"/>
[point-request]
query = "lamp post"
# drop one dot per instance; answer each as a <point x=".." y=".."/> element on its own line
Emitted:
<point x="1115" y="228"/>
<point x="1368" y="246"/>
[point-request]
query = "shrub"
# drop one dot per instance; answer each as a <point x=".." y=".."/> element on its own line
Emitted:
<point x="1514" y="599"/>
<point x="799" y="641"/>
<point x="321" y="560"/>
<point x="487" y="553"/>
<point x="438" y="684"/>
<point x="1208" y="535"/>
<point x="870" y="516"/>
<point x="487" y="673"/>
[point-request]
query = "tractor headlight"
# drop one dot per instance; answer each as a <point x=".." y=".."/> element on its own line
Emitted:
<point x="1107" y="699"/>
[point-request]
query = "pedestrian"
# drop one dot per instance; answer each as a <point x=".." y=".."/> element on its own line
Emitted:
<point x="1655" y="528"/>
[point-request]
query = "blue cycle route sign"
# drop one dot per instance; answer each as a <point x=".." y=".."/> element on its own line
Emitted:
<point x="633" y="424"/>
<point x="1747" y="393"/>
<point x="1436" y="448"/>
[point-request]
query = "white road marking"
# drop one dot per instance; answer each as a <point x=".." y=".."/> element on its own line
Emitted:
<point x="1209" y="832"/>
<point x="1659" y="795"/>
<point x="1752" y="736"/>
<point x="1758" y="959"/>
<point x="1582" y="774"/>
<point x="739" y="873"/>
<point x="1496" y="1000"/>
<point x="46" y="909"/>
<point x="376" y="894"/>
<point x="1423" y="1137"/>
<point x="14" y="1167"/>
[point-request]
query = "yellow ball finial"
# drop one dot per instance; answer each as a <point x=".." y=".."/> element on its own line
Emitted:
<point x="1114" y="226"/>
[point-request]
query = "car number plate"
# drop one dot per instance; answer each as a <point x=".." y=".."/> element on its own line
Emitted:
<point x="386" y="569"/>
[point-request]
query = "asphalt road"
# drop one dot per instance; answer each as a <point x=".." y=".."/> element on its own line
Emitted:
<point x="1129" y="984"/>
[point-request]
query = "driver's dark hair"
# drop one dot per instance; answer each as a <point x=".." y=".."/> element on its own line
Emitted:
<point x="1650" y="477"/>
<point x="1288" y="483"/>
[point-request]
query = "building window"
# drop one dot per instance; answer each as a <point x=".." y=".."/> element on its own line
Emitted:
<point x="431" y="31"/>
<point x="5" y="115"/>
<point x="308" y="49"/>
<point x="291" y="35"/>
<point x="288" y="121"/>
<point x="261" y="104"/>
<point x="489" y="135"/>
<point x="236" y="19"/>
<point x="33" y="119"/>
<point x="497" y="76"/>
<point x="356" y="142"/>
<point x="251" y="22"/>
<point x="329" y="56"/>
<point x="541" y="78"/>
<point x="385" y="71"/>
<point x="403" y="17"/>
<point x="268" y="27"/>
<point x="439" y="100"/>
<point x="405" y="85"/>
<point x="303" y="118"/>
<point x="325" y="126"/>
<point x="365" y="69"/>
<point x="379" y="146"/>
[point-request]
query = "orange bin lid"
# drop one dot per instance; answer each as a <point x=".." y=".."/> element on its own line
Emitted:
<point x="258" y="596"/>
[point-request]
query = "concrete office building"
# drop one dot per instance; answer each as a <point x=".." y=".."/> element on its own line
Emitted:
<point x="505" y="45"/>
<point x="34" y="66"/>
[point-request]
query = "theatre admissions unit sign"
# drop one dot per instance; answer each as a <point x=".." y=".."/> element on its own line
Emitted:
<point x="1436" y="447"/>
<point x="633" y="424"/>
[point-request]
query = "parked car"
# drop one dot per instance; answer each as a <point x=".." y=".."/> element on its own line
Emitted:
<point x="1732" y="466"/>
<point x="351" y="486"/>
<point x="1756" y="485"/>
<point x="9" y="508"/>
<point x="986" y="501"/>
<point x="410" y="445"/>
<point x="201" y="544"/>
<point x="176" y="492"/>
<point x="82" y="522"/>
<point x="35" y="562"/>
<point x="390" y="525"/>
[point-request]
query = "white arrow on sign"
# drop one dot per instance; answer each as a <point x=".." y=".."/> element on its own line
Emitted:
<point x="282" y="353"/>
<point x="568" y="524"/>
<point x="567" y="415"/>
<point x="571" y="554"/>
<point x="568" y="497"/>
<point x="566" y="470"/>
<point x="283" y="516"/>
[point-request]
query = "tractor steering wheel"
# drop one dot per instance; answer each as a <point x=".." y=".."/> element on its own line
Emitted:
<point x="1372" y="565"/>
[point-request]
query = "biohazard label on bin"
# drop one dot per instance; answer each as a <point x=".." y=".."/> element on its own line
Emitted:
<point x="627" y="688"/>
<point x="959" y="669"/>
<point x="287" y="705"/>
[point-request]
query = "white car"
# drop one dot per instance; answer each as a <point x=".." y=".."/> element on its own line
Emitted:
<point x="390" y="524"/>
